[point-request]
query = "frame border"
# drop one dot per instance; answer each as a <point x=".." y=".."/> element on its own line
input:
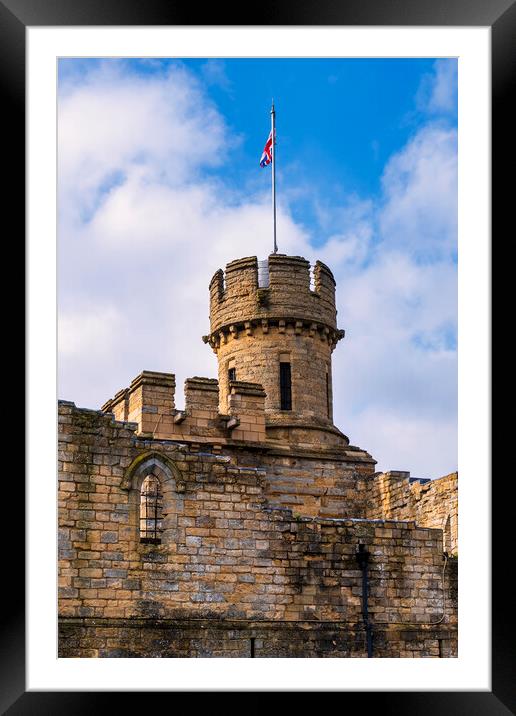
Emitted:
<point x="500" y="16"/>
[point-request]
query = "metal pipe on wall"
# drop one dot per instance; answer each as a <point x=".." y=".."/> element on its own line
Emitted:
<point x="362" y="557"/>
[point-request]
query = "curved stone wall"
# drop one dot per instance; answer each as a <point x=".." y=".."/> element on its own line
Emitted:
<point x="254" y="329"/>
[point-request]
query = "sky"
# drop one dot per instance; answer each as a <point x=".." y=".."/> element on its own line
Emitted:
<point x="159" y="185"/>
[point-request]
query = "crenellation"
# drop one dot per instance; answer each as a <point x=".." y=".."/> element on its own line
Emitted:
<point x="118" y="405"/>
<point x="324" y="288"/>
<point x="259" y="504"/>
<point x="216" y="287"/>
<point x="432" y="503"/>
<point x="236" y="293"/>
<point x="150" y="398"/>
<point x="201" y="394"/>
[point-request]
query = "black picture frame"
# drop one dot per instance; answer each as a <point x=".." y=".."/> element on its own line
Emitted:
<point x="500" y="16"/>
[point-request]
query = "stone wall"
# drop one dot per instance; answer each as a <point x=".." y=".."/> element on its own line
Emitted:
<point x="184" y="638"/>
<point x="335" y="485"/>
<point x="228" y="552"/>
<point x="235" y="295"/>
<point x="256" y="357"/>
<point x="255" y="329"/>
<point x="430" y="503"/>
<point x="150" y="403"/>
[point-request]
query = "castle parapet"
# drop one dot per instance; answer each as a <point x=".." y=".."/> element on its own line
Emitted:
<point x="150" y="399"/>
<point x="237" y="297"/>
<point x="201" y="394"/>
<point x="273" y="333"/>
<point x="247" y="405"/>
<point x="149" y="404"/>
<point x="429" y="503"/>
<point x="118" y="405"/>
<point x="324" y="284"/>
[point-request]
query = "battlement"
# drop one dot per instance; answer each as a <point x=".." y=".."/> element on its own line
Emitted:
<point x="247" y="406"/>
<point x="430" y="503"/>
<point x="248" y="506"/>
<point x="149" y="404"/>
<point x="237" y="298"/>
<point x="274" y="323"/>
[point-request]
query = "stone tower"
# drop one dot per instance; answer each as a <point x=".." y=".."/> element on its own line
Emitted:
<point x="246" y="525"/>
<point x="270" y="324"/>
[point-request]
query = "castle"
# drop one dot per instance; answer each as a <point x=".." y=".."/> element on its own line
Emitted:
<point x="247" y="525"/>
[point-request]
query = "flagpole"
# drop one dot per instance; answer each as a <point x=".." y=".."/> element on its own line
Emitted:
<point x="273" y="122"/>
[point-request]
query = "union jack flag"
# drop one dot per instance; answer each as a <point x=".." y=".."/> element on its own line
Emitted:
<point x="267" y="152"/>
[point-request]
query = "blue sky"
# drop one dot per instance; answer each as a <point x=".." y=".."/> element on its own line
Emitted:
<point x="159" y="185"/>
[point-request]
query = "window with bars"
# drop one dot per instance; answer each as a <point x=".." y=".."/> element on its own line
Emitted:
<point x="285" y="386"/>
<point x="151" y="511"/>
<point x="231" y="374"/>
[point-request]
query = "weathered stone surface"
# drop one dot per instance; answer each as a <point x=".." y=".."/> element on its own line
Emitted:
<point x="433" y="503"/>
<point x="260" y="516"/>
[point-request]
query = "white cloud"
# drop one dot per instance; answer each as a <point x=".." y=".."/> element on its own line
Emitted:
<point x="153" y="240"/>
<point x="420" y="190"/>
<point x="355" y="224"/>
<point x="115" y="123"/>
<point x="437" y="93"/>
<point x="380" y="364"/>
<point x="155" y="249"/>
<point x="88" y="331"/>
<point x="214" y="73"/>
<point x="397" y="300"/>
<point x="143" y="228"/>
<point x="90" y="336"/>
<point x="425" y="447"/>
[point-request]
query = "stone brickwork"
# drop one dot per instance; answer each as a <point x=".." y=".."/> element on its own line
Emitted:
<point x="246" y="406"/>
<point x="227" y="554"/>
<point x="183" y="638"/>
<point x="395" y="495"/>
<point x="288" y="293"/>
<point x="246" y="543"/>
<point x="255" y="328"/>
<point x="315" y="486"/>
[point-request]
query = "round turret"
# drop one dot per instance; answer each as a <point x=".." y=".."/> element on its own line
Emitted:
<point x="270" y="326"/>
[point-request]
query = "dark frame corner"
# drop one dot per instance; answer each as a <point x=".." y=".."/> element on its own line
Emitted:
<point x="500" y="15"/>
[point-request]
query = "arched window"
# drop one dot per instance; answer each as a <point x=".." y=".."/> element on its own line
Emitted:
<point x="156" y="497"/>
<point x="151" y="510"/>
